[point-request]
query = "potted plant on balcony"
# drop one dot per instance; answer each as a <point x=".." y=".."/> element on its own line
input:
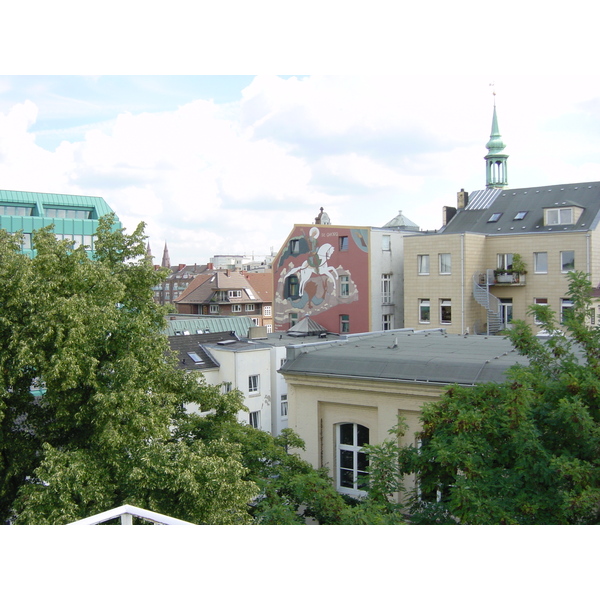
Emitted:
<point x="519" y="268"/>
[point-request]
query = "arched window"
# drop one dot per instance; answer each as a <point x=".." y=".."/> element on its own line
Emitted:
<point x="352" y="461"/>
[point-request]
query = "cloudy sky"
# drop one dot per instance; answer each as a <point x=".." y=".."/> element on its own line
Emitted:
<point x="380" y="111"/>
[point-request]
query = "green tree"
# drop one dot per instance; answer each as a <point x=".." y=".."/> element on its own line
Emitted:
<point x="526" y="451"/>
<point x="105" y="424"/>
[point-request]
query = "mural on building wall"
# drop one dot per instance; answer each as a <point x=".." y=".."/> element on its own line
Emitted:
<point x="316" y="272"/>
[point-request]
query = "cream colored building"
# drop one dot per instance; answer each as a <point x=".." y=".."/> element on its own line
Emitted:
<point x="346" y="393"/>
<point x="453" y="278"/>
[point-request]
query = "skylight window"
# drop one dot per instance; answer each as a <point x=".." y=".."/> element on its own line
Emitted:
<point x="197" y="360"/>
<point x="494" y="218"/>
<point x="520" y="215"/>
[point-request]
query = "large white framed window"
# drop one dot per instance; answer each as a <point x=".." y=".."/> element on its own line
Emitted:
<point x="566" y="306"/>
<point x="386" y="288"/>
<point x="236" y="308"/>
<point x="235" y="293"/>
<point x="424" y="310"/>
<point x="254" y="419"/>
<point x="558" y="216"/>
<point x="505" y="261"/>
<point x="344" y="323"/>
<point x="567" y="261"/>
<point x="352" y="461"/>
<point x="540" y="262"/>
<point x="387" y="322"/>
<point x="254" y="384"/>
<point x="214" y="309"/>
<point x="423" y="264"/>
<point x="284" y="405"/>
<point x="267" y="310"/>
<point x="445" y="263"/>
<point x="250" y="307"/>
<point x="539" y="302"/>
<point x="386" y="243"/>
<point x="446" y="311"/>
<point x="344" y="286"/>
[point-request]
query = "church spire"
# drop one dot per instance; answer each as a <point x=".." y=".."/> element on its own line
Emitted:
<point x="495" y="159"/>
<point x="166" y="261"/>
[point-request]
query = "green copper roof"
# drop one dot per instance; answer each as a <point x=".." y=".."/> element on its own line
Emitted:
<point x="495" y="145"/>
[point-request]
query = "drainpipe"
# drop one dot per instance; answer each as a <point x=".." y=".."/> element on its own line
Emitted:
<point x="587" y="258"/>
<point x="462" y="282"/>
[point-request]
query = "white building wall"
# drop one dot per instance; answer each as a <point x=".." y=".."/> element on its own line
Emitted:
<point x="384" y="261"/>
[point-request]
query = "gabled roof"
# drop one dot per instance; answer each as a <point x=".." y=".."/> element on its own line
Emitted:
<point x="203" y="288"/>
<point x="262" y="284"/>
<point x="508" y="203"/>
<point x="306" y="326"/>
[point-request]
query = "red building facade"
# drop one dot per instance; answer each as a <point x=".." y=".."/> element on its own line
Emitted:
<point x="322" y="271"/>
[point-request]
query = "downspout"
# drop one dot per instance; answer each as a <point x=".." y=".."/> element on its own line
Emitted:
<point x="462" y="283"/>
<point x="588" y="257"/>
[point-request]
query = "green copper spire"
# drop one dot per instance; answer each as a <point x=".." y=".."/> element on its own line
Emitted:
<point x="496" y="174"/>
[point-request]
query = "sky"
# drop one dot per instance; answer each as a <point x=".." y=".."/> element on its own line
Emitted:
<point x="376" y="112"/>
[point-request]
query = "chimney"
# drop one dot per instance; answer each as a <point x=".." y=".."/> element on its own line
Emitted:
<point x="181" y="267"/>
<point x="462" y="199"/>
<point x="449" y="212"/>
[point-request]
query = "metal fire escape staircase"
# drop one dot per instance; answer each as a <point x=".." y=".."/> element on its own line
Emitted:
<point x="481" y="293"/>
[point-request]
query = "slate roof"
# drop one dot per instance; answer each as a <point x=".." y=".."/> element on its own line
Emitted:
<point x="420" y="357"/>
<point x="509" y="202"/>
<point x="185" y="344"/>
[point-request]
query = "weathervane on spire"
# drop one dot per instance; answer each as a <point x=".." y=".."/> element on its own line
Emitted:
<point x="493" y="86"/>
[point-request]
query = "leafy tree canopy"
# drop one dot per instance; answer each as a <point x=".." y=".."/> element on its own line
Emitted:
<point x="526" y="451"/>
<point x="91" y="407"/>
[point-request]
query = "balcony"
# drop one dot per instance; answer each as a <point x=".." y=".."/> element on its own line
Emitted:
<point x="508" y="278"/>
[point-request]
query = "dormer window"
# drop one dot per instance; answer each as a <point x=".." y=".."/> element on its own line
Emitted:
<point x="562" y="216"/>
<point x="520" y="215"/>
<point x="494" y="218"/>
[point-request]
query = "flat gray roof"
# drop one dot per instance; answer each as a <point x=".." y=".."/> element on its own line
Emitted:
<point x="424" y="357"/>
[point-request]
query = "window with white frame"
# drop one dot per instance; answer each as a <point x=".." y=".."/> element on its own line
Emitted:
<point x="226" y="387"/>
<point x="352" y="461"/>
<point x="567" y="261"/>
<point x="386" y="243"/>
<point x="344" y="323"/>
<point x="250" y="307"/>
<point x="423" y="264"/>
<point x="424" y="310"/>
<point x="236" y="308"/>
<point x="387" y="322"/>
<point x="505" y="261"/>
<point x="253" y="384"/>
<point x="235" y="293"/>
<point x="566" y="308"/>
<point x="267" y="310"/>
<point x="445" y="263"/>
<point x="214" y="309"/>
<point x="344" y="286"/>
<point x="284" y="405"/>
<point x="539" y="302"/>
<point x="540" y="262"/>
<point x="269" y="328"/>
<point x="386" y="288"/>
<point x="255" y="321"/>
<point x="445" y="311"/>
<point x="558" y="216"/>
<point x="255" y="419"/>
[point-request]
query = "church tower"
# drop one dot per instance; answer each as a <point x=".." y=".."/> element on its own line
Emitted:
<point x="495" y="160"/>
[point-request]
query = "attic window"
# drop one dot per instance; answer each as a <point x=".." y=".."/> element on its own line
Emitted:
<point x="520" y="215"/>
<point x="494" y="218"/>
<point x="197" y="360"/>
<point x="558" y="216"/>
